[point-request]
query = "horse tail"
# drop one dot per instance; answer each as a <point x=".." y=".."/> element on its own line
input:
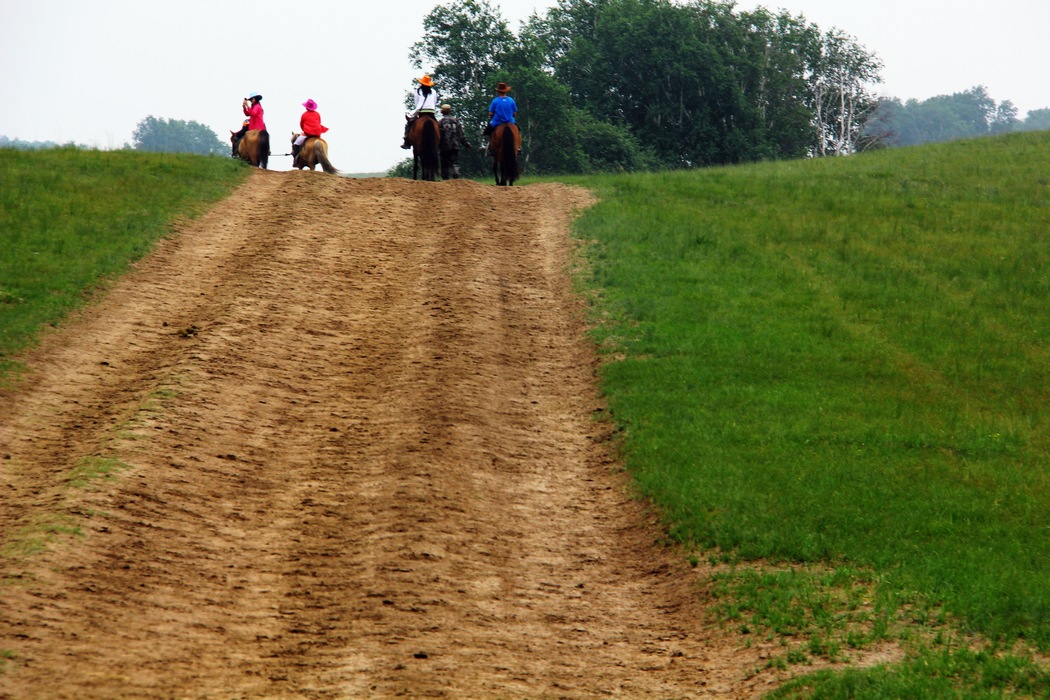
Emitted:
<point x="509" y="154"/>
<point x="430" y="147"/>
<point x="263" y="145"/>
<point x="321" y="151"/>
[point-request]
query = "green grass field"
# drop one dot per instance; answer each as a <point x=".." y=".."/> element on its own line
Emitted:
<point x="844" y="365"/>
<point x="70" y="219"/>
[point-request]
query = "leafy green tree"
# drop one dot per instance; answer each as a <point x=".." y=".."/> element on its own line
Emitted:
<point x="175" y="136"/>
<point x="779" y="49"/>
<point x="650" y="66"/>
<point x="695" y="83"/>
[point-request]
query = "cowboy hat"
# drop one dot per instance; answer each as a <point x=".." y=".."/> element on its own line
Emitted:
<point x="426" y="80"/>
<point x="503" y="87"/>
<point x="310" y="105"/>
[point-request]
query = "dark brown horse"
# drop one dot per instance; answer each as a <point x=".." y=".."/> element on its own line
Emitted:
<point x="313" y="153"/>
<point x="254" y="147"/>
<point x="425" y="135"/>
<point x="504" y="147"/>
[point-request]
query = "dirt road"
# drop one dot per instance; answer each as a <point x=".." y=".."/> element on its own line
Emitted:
<point x="348" y="432"/>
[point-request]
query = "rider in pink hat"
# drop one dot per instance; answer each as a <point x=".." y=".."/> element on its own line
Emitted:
<point x="310" y="124"/>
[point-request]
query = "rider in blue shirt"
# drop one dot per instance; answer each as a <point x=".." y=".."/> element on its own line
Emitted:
<point x="502" y="109"/>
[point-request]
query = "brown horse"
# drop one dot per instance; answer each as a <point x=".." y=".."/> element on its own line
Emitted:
<point x="313" y="153"/>
<point x="425" y="135"/>
<point x="253" y="147"/>
<point x="504" y="147"/>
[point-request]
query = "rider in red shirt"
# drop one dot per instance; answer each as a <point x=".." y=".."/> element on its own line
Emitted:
<point x="310" y="125"/>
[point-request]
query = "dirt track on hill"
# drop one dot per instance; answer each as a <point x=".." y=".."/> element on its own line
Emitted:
<point x="352" y="421"/>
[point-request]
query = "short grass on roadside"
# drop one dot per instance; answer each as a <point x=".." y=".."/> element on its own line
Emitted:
<point x="844" y="362"/>
<point x="70" y="219"/>
<point x="943" y="671"/>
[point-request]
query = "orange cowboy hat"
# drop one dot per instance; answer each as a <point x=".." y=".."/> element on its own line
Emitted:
<point x="503" y="87"/>
<point x="426" y="80"/>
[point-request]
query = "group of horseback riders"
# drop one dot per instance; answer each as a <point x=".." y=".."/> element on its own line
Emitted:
<point x="502" y="110"/>
<point x="309" y="124"/>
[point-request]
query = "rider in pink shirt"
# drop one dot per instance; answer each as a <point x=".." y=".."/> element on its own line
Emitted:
<point x="252" y="107"/>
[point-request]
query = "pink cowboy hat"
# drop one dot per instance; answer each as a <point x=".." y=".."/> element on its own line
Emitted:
<point x="310" y="105"/>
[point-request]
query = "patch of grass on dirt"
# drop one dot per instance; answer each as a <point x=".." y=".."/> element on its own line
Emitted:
<point x="809" y="613"/>
<point x="36" y="536"/>
<point x="73" y="218"/>
<point x="47" y="527"/>
<point x="843" y="362"/>
<point x="94" y="468"/>
<point x="8" y="659"/>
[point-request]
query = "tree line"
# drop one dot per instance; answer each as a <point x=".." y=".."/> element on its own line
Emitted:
<point x="153" y="134"/>
<point x="177" y="136"/>
<point x="622" y="85"/>
<point x="961" y="115"/>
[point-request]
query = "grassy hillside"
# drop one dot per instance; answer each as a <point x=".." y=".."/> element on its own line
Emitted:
<point x="843" y="364"/>
<point x="71" y="218"/>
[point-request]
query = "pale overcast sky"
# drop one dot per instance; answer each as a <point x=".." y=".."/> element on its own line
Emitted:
<point x="88" y="71"/>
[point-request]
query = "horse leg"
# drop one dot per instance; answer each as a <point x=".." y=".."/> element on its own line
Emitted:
<point x="415" y="166"/>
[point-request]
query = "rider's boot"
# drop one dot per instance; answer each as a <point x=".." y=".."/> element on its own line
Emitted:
<point x="406" y="144"/>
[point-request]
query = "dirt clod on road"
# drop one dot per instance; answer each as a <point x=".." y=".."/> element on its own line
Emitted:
<point x="335" y="440"/>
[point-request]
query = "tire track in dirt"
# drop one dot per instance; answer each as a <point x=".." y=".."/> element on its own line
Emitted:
<point x="356" y="419"/>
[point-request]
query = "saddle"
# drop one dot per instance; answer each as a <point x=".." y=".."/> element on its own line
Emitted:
<point x="496" y="136"/>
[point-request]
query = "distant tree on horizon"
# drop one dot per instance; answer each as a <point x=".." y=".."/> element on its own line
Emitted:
<point x="1036" y="120"/>
<point x="176" y="136"/>
<point x="6" y="142"/>
<point x="961" y="115"/>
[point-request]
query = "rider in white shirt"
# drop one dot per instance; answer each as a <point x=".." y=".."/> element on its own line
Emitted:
<point x="426" y="105"/>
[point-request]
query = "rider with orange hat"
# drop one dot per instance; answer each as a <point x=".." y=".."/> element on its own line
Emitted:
<point x="426" y="105"/>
